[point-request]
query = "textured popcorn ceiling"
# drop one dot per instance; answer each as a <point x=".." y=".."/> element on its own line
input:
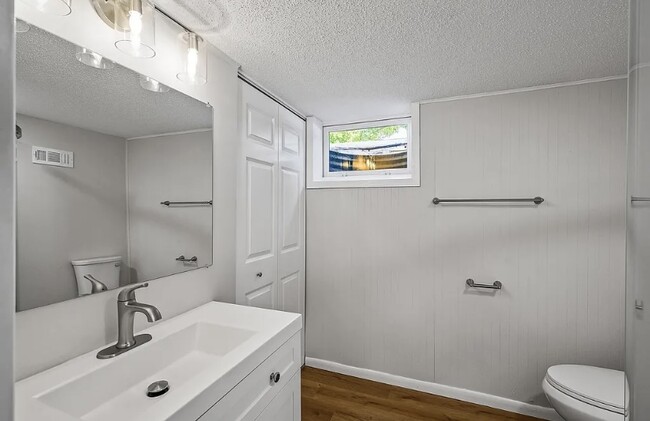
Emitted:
<point x="344" y="60"/>
<point x="51" y="84"/>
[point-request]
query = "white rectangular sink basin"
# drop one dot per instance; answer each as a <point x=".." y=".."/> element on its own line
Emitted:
<point x="202" y="354"/>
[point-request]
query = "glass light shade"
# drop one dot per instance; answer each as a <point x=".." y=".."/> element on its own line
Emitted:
<point x="152" y="85"/>
<point x="138" y="32"/>
<point x="21" y="26"/>
<point x="92" y="59"/>
<point x="194" y="63"/>
<point x="53" y="7"/>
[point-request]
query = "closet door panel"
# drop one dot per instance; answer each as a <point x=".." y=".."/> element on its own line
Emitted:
<point x="257" y="200"/>
<point x="291" y="221"/>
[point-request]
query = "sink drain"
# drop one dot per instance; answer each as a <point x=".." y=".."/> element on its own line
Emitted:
<point x="158" y="388"/>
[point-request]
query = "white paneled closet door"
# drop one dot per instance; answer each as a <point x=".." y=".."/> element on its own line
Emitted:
<point x="257" y="200"/>
<point x="271" y="205"/>
<point x="291" y="215"/>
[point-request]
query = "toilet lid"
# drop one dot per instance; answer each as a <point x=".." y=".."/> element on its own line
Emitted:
<point x="595" y="386"/>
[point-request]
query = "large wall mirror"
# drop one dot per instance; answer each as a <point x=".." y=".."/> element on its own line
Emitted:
<point x="114" y="175"/>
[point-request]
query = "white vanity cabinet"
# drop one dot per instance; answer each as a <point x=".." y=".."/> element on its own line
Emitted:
<point x="223" y="362"/>
<point x="270" y="392"/>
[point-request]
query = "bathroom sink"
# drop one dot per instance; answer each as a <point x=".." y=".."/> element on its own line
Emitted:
<point x="202" y="354"/>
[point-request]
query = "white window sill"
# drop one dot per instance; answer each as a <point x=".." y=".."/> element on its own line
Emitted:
<point x="362" y="182"/>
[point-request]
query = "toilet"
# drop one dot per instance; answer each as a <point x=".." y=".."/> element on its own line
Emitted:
<point x="104" y="269"/>
<point x="585" y="393"/>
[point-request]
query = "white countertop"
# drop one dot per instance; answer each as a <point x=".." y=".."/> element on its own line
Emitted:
<point x="88" y="379"/>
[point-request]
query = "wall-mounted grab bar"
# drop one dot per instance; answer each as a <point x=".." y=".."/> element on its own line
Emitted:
<point x="536" y="200"/>
<point x="496" y="285"/>
<point x="183" y="259"/>
<point x="168" y="203"/>
<point x="640" y="199"/>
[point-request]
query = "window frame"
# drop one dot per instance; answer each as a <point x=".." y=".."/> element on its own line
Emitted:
<point x="319" y="177"/>
<point x="406" y="121"/>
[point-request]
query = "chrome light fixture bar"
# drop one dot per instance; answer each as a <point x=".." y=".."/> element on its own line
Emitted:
<point x="135" y="20"/>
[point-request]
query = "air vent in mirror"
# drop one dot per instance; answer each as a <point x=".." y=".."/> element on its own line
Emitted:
<point x="47" y="156"/>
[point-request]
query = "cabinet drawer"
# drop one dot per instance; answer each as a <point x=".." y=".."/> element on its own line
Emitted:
<point x="247" y="400"/>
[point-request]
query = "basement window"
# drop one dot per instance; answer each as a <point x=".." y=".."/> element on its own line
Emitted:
<point x="371" y="154"/>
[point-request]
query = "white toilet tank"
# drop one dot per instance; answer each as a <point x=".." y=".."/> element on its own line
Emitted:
<point x="104" y="269"/>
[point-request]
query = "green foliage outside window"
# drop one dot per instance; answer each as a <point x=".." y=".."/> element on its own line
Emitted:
<point x="362" y="135"/>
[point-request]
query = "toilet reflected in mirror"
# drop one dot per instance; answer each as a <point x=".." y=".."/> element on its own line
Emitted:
<point x="88" y="273"/>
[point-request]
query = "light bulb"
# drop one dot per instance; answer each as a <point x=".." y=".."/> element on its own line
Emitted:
<point x="192" y="62"/>
<point x="138" y="38"/>
<point x="190" y="72"/>
<point x="135" y="24"/>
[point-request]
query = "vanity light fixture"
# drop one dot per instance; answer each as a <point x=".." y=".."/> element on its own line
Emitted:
<point x="139" y="35"/>
<point x="53" y="7"/>
<point x="134" y="20"/>
<point x="21" y="26"/>
<point x="92" y="59"/>
<point x="151" y="84"/>
<point x="195" y="62"/>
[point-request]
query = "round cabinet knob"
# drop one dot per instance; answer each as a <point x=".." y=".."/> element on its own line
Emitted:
<point x="259" y="274"/>
<point x="275" y="377"/>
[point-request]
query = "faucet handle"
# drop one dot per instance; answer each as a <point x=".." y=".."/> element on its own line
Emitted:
<point x="128" y="294"/>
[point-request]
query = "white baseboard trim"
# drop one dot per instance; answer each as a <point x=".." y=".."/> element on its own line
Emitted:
<point x="438" y="389"/>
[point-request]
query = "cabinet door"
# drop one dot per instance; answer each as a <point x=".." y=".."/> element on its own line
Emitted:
<point x="257" y="193"/>
<point x="252" y="395"/>
<point x="286" y="405"/>
<point x="291" y="213"/>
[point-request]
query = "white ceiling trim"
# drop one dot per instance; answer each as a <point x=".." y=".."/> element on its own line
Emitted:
<point x="529" y="89"/>
<point x="171" y="134"/>
<point x="639" y="66"/>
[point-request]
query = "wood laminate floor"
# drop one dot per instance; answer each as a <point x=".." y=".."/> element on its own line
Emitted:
<point x="328" y="396"/>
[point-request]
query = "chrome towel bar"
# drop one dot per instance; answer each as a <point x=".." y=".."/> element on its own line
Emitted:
<point x="168" y="203"/>
<point x="496" y="285"/>
<point x="640" y="199"/>
<point x="536" y="200"/>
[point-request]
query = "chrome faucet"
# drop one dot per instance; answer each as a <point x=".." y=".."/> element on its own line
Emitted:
<point x="127" y="306"/>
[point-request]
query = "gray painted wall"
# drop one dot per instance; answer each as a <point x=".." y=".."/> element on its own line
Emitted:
<point x="66" y="214"/>
<point x="386" y="269"/>
<point x="7" y="191"/>
<point x="176" y="168"/>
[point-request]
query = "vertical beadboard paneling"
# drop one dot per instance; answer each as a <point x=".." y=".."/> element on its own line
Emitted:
<point x="386" y="268"/>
